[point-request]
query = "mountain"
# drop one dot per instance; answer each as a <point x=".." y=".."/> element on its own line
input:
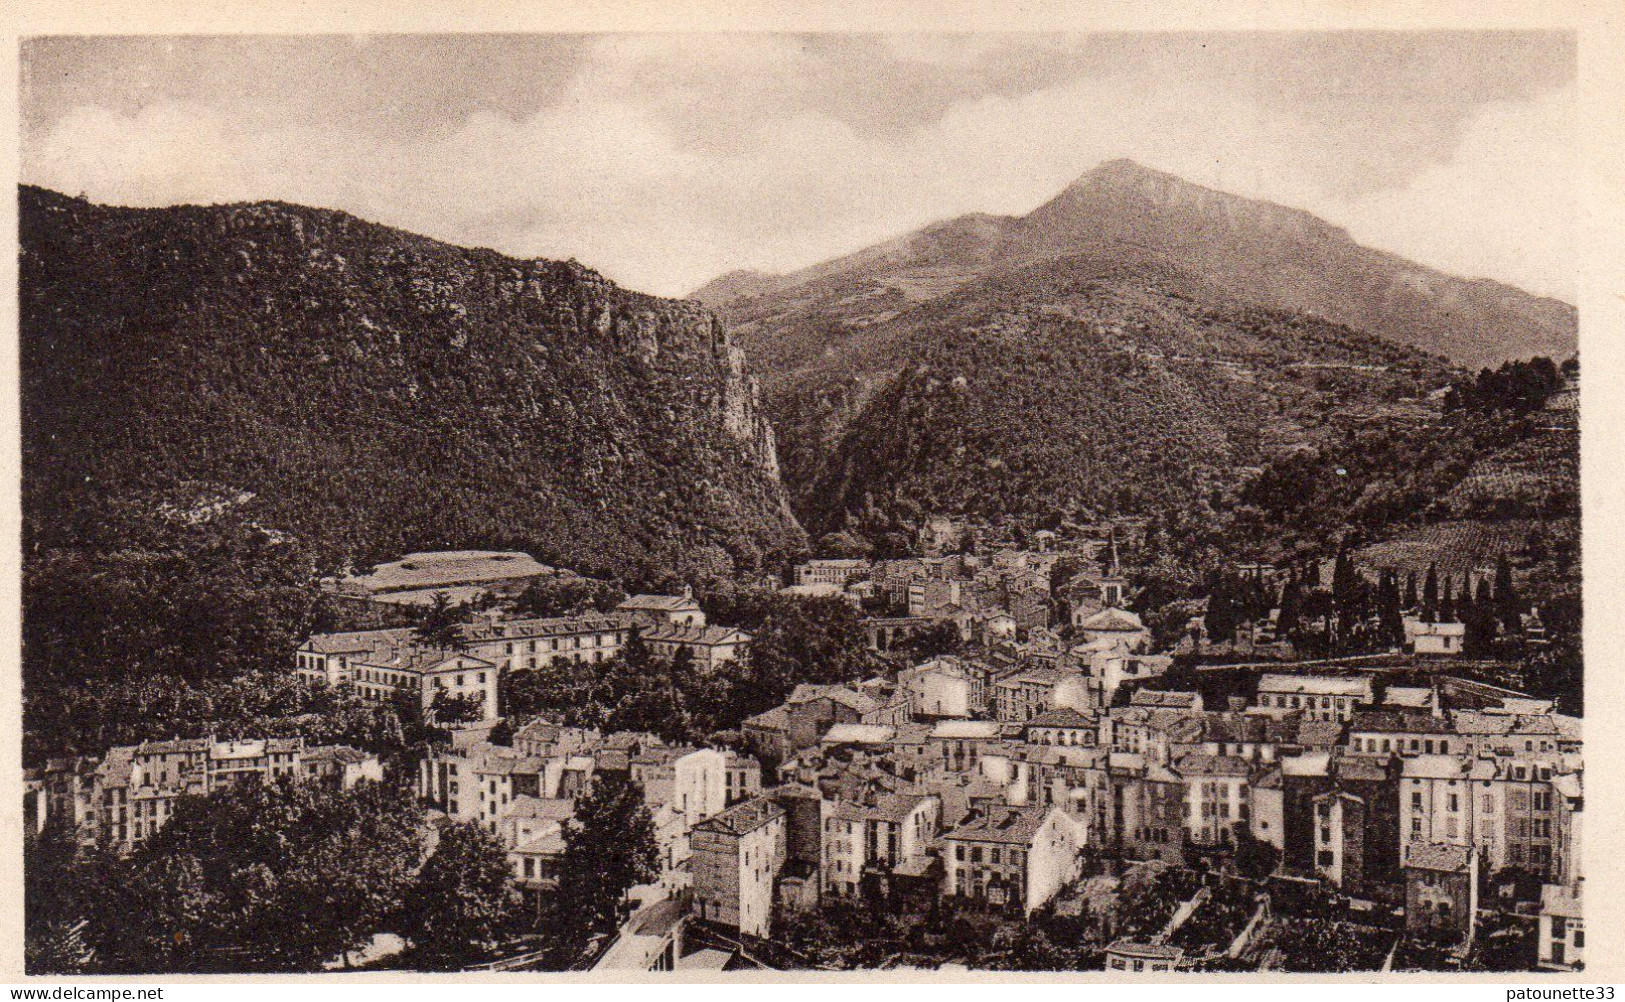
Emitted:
<point x="1257" y="252"/>
<point x="366" y="392"/>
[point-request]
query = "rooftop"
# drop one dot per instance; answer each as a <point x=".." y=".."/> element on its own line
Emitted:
<point x="742" y="818"/>
<point x="1439" y="856"/>
<point x="1013" y="825"/>
<point x="660" y="603"/>
<point x="1317" y="685"/>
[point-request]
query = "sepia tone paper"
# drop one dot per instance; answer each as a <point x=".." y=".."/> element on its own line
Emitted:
<point x="675" y="266"/>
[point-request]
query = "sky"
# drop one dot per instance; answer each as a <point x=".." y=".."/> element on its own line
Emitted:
<point x="665" y="160"/>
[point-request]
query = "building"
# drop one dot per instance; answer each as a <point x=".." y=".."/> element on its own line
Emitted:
<point x="1020" y="697"/>
<point x="1438" y="639"/>
<point x="1217" y="797"/>
<point x="1319" y="697"/>
<point x="1012" y="857"/>
<point x="653" y="611"/>
<point x="379" y="664"/>
<point x="875" y="836"/>
<point x="835" y="573"/>
<point x="803" y="719"/>
<point x="1562" y="930"/>
<point x="1143" y="958"/>
<point x="1441" y="889"/>
<point x="735" y="857"/>
<point x="133" y="791"/>
<point x="1115" y="624"/>
<point x="1402" y="732"/>
<point x="938" y="688"/>
<point x="1062" y="726"/>
<point x="710" y="646"/>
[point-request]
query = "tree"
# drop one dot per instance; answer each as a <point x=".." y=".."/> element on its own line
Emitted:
<point x="844" y="545"/>
<point x="453" y="708"/>
<point x="1254" y="858"/>
<point x="1430" y="595"/>
<point x="1507" y="603"/>
<point x="609" y="847"/>
<point x="457" y="909"/>
<point x="1388" y="611"/>
<point x="567" y="595"/>
<point x="441" y="625"/>
<point x="1410" y="599"/>
<point x="1221" y="618"/>
<point x="282" y="875"/>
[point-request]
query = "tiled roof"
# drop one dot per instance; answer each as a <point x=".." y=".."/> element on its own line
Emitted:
<point x="1318" y="685"/>
<point x="708" y="636"/>
<point x="1399" y="722"/>
<point x="1147" y="951"/>
<point x="845" y="695"/>
<point x="743" y="818"/>
<point x="660" y="603"/>
<point x="1120" y="620"/>
<point x="1061" y="716"/>
<point x="1439" y="856"/>
<point x="1213" y="765"/>
<point x="1011" y="825"/>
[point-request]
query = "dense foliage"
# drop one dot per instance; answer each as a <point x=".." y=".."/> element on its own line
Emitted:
<point x="796" y="640"/>
<point x="255" y="877"/>
<point x="221" y="404"/>
<point x="609" y="848"/>
<point x="461" y="903"/>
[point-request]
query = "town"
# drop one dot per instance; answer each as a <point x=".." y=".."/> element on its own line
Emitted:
<point x="1021" y="755"/>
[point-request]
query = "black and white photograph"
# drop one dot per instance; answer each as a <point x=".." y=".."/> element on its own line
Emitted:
<point x="623" y="504"/>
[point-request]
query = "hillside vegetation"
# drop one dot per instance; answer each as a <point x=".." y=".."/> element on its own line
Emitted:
<point x="221" y="403"/>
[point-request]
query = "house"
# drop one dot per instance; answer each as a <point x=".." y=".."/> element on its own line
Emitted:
<point x="1217" y="796"/>
<point x="1441" y="889"/>
<point x="1112" y="664"/>
<point x="1026" y="694"/>
<point x="1062" y="726"/>
<point x="1438" y="639"/>
<point x="1012" y="857"/>
<point x="1561" y="941"/>
<point x="958" y="745"/>
<point x="1438" y="804"/>
<point x="1143" y="958"/>
<point x="1146" y="818"/>
<point x="1320" y="697"/>
<point x="874" y="836"/>
<point x="709" y="646"/>
<point x="937" y="688"/>
<point x="340" y="766"/>
<point x="735" y="857"/>
<point x="1113" y="623"/>
<point x="1401" y="732"/>
<point x="655" y="611"/>
<point x="803" y="719"/>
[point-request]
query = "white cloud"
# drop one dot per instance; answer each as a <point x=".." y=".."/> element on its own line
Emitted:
<point x="658" y="165"/>
<point x="1504" y="207"/>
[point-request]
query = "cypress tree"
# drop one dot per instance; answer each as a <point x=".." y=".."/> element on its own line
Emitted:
<point x="1430" y="595"/>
